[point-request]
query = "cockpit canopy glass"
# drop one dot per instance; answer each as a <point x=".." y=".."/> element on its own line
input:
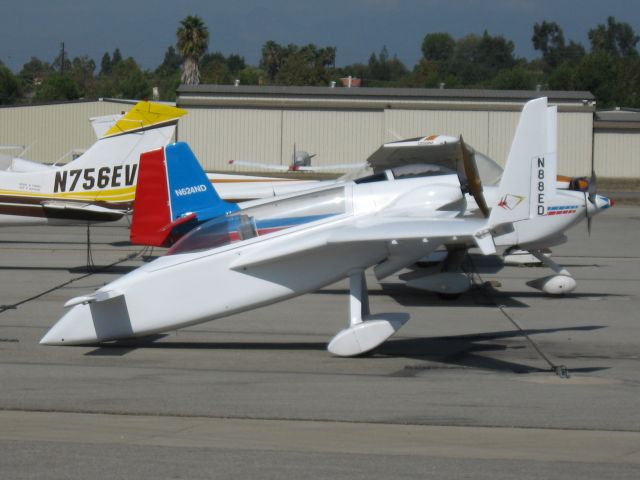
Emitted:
<point x="263" y="219"/>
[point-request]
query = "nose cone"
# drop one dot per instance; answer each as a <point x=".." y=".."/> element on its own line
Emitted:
<point x="599" y="204"/>
<point x="76" y="327"/>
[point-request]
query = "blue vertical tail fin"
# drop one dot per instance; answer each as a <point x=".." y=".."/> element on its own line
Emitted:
<point x="173" y="196"/>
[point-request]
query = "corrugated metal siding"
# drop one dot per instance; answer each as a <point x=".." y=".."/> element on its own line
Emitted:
<point x="337" y="137"/>
<point x="217" y="135"/>
<point x="501" y="128"/>
<point x="574" y="143"/>
<point x="617" y="154"/>
<point x="52" y="131"/>
<point x="574" y="140"/>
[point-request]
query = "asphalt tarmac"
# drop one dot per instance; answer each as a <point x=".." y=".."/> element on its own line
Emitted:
<point x="457" y="393"/>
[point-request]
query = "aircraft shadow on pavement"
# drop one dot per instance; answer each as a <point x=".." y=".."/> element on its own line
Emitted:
<point x="457" y="351"/>
<point x="120" y="243"/>
<point x="413" y="297"/>
<point x="122" y="347"/>
<point x="465" y="351"/>
<point x="51" y="242"/>
<point x="115" y="269"/>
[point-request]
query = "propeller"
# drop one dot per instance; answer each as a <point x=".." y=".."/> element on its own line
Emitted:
<point x="590" y="195"/>
<point x="474" y="184"/>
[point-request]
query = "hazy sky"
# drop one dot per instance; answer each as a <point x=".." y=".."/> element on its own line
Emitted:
<point x="144" y="29"/>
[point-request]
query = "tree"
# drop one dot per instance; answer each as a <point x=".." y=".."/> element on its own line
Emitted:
<point x="33" y="72"/>
<point x="171" y="63"/>
<point x="597" y="73"/>
<point x="297" y="65"/>
<point x="271" y="60"/>
<point x="130" y="81"/>
<point x="214" y="68"/>
<point x="438" y="47"/>
<point x="306" y="65"/>
<point x="193" y="40"/>
<point x="517" y="78"/>
<point x="549" y="39"/>
<point x="235" y="63"/>
<point x="383" y="69"/>
<point x="477" y="59"/>
<point x="9" y="86"/>
<point x="56" y="86"/>
<point x="167" y="76"/>
<point x="116" y="58"/>
<point x="81" y="72"/>
<point x="105" y="64"/>
<point x="615" y="38"/>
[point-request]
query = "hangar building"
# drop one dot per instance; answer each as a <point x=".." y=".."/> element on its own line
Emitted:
<point x="342" y="125"/>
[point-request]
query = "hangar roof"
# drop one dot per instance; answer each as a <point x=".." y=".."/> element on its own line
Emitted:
<point x="374" y="98"/>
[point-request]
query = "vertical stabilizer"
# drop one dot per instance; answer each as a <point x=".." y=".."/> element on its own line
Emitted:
<point x="522" y="191"/>
<point x="145" y="127"/>
<point x="173" y="196"/>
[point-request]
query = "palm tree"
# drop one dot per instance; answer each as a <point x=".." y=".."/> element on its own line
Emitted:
<point x="193" y="39"/>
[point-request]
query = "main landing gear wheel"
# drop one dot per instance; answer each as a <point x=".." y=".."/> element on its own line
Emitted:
<point x="365" y="331"/>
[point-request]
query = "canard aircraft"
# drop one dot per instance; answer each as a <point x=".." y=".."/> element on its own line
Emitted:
<point x="238" y="259"/>
<point x="422" y="157"/>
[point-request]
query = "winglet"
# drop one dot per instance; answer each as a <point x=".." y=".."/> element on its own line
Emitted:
<point x="144" y="115"/>
<point x="173" y="195"/>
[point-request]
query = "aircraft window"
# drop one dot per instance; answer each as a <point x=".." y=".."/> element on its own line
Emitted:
<point x="378" y="177"/>
<point x="420" y="170"/>
<point x="263" y="219"/>
<point x="357" y="173"/>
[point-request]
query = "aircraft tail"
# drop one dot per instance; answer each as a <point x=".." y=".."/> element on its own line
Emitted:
<point x="173" y="196"/>
<point x="529" y="177"/>
<point x="107" y="171"/>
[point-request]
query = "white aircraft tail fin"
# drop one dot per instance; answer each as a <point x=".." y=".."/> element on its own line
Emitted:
<point x="107" y="171"/>
<point x="145" y="127"/>
<point x="523" y="189"/>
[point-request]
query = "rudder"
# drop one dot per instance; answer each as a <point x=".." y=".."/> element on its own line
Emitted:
<point x="173" y="196"/>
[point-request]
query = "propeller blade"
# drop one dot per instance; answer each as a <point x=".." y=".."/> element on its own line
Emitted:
<point x="473" y="178"/>
<point x="586" y="212"/>
<point x="593" y="187"/>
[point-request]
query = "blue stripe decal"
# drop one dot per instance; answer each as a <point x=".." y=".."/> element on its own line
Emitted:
<point x="290" y="221"/>
<point x="565" y="207"/>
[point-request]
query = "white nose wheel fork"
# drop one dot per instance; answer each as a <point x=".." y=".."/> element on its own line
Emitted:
<point x="560" y="283"/>
<point x="365" y="331"/>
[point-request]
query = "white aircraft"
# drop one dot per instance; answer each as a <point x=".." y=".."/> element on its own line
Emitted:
<point x="97" y="186"/>
<point x="300" y="162"/>
<point x="240" y="259"/>
<point x="568" y="201"/>
<point x="426" y="156"/>
<point x="100" y="184"/>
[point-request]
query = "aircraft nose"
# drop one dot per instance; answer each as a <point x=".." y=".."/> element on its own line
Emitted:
<point x="599" y="204"/>
<point x="602" y="203"/>
<point x="74" y="328"/>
